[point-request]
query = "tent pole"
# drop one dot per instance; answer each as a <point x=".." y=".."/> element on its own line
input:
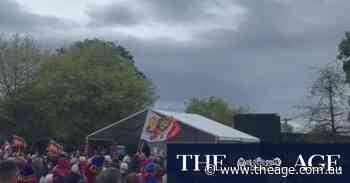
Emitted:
<point x="86" y="146"/>
<point x="140" y="146"/>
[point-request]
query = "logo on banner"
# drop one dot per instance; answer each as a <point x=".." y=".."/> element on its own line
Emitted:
<point x="160" y="128"/>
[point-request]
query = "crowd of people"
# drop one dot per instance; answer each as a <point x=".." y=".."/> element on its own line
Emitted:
<point x="99" y="167"/>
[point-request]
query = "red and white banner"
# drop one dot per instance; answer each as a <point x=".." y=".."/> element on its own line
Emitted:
<point x="159" y="128"/>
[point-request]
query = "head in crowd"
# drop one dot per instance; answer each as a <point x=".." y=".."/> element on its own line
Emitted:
<point x="108" y="162"/>
<point x="109" y="175"/>
<point x="96" y="164"/>
<point x="151" y="169"/>
<point x="133" y="178"/>
<point x="8" y="171"/>
<point x="101" y="167"/>
<point x="38" y="163"/>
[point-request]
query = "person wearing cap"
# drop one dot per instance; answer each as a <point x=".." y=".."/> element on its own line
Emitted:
<point x="149" y="173"/>
<point x="93" y="168"/>
<point x="108" y="162"/>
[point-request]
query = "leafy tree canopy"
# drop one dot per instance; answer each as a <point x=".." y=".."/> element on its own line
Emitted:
<point x="214" y="108"/>
<point x="82" y="88"/>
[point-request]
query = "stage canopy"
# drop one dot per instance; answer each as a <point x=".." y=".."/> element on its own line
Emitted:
<point x="194" y="129"/>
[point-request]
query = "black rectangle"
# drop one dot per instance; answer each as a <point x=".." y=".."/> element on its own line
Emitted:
<point x="267" y="127"/>
<point x="291" y="157"/>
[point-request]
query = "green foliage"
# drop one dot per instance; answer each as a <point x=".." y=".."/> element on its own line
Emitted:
<point x="82" y="88"/>
<point x="20" y="59"/>
<point x="213" y="108"/>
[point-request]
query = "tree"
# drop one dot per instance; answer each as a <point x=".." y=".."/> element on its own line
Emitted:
<point x="327" y="110"/>
<point x="85" y="87"/>
<point x="344" y="55"/>
<point x="20" y="59"/>
<point x="286" y="127"/>
<point x="214" y="108"/>
<point x="19" y="62"/>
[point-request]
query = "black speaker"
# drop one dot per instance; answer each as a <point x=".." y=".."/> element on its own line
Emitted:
<point x="267" y="127"/>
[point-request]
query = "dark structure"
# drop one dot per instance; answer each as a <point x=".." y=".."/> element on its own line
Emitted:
<point x="307" y="138"/>
<point x="267" y="127"/>
<point x="293" y="138"/>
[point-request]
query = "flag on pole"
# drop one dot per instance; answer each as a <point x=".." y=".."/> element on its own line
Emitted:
<point x="159" y="128"/>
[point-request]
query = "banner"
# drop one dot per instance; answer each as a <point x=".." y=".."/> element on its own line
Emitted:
<point x="160" y="128"/>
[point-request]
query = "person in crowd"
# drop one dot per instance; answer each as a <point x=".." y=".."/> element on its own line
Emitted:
<point x="108" y="162"/>
<point x="160" y="172"/>
<point x="143" y="160"/>
<point x="39" y="168"/>
<point x="115" y="162"/>
<point x="99" y="167"/>
<point x="93" y="168"/>
<point x="48" y="178"/>
<point x="26" y="171"/>
<point x="134" y="165"/>
<point x="149" y="173"/>
<point x="74" y="174"/>
<point x="8" y="171"/>
<point x="109" y="175"/>
<point x="133" y="178"/>
<point x="61" y="170"/>
<point x="124" y="169"/>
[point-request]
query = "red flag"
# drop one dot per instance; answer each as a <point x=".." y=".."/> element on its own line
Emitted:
<point x="159" y="128"/>
<point x="175" y="130"/>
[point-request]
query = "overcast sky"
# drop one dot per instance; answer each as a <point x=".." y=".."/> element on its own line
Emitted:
<point x="256" y="53"/>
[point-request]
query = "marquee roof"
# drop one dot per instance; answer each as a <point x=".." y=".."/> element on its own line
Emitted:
<point x="222" y="132"/>
<point x="130" y="128"/>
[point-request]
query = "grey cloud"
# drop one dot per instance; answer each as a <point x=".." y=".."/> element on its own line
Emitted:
<point x="15" y="19"/>
<point x="112" y="15"/>
<point x="264" y="63"/>
<point x="179" y="12"/>
<point x="273" y="25"/>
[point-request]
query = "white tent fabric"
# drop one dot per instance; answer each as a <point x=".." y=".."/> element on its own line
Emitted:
<point x="128" y="130"/>
<point x="222" y="132"/>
